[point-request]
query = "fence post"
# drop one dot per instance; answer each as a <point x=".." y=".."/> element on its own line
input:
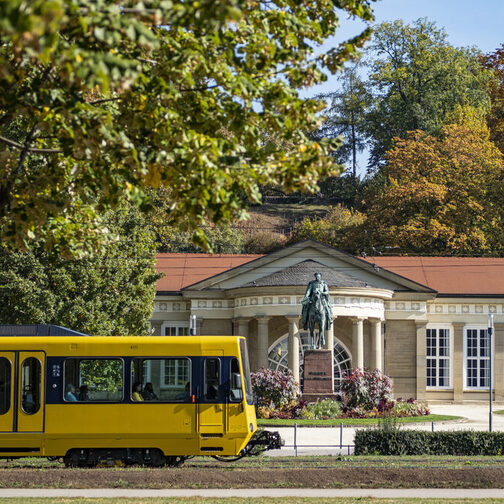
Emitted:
<point x="432" y="426"/>
<point x="341" y="436"/>
<point x="295" y="438"/>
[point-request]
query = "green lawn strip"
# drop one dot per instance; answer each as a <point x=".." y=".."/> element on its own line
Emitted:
<point x="241" y="500"/>
<point x="305" y="422"/>
<point x="499" y="412"/>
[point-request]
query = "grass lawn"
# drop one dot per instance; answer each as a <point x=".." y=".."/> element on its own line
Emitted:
<point x="499" y="412"/>
<point x="351" y="421"/>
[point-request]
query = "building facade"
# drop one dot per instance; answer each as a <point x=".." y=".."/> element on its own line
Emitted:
<point x="422" y="321"/>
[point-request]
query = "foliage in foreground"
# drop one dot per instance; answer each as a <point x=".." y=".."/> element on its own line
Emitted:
<point x="101" y="100"/>
<point x="392" y="441"/>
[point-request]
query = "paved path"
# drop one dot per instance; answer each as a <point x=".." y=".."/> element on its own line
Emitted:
<point x="378" y="493"/>
<point x="326" y="440"/>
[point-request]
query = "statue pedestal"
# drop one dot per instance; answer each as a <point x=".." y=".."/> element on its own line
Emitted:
<point x="318" y="378"/>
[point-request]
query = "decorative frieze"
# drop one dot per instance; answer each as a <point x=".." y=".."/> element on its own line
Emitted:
<point x="171" y="306"/>
<point x="406" y="306"/>
<point x="464" y="308"/>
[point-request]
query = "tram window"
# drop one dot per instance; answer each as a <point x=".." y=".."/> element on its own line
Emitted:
<point x="163" y="380"/>
<point x="212" y="379"/>
<point x="31" y="380"/>
<point x="235" y="386"/>
<point x="95" y="380"/>
<point x="5" y="385"/>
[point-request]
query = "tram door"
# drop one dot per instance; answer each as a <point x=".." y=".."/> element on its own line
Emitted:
<point x="22" y="391"/>
<point x="211" y="408"/>
<point x="30" y="395"/>
<point x="7" y="366"/>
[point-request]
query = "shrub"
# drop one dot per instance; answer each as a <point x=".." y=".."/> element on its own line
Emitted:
<point x="322" y="410"/>
<point x="264" y="242"/>
<point x="409" y="408"/>
<point x="406" y="442"/>
<point x="361" y="388"/>
<point x="274" y="389"/>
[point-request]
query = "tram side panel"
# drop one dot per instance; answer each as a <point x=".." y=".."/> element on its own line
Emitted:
<point x="204" y="421"/>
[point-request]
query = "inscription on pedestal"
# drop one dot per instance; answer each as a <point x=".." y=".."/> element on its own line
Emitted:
<point x="318" y="372"/>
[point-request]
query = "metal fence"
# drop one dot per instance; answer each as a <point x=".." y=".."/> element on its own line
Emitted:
<point x="337" y="445"/>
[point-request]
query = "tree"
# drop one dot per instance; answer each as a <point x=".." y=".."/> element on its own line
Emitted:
<point x="494" y="62"/>
<point x="416" y="78"/>
<point x="110" y="293"/>
<point x="443" y="194"/>
<point x="101" y="100"/>
<point x="345" y="117"/>
<point x="333" y="229"/>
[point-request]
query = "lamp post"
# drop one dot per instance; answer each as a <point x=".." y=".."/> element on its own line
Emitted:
<point x="192" y="325"/>
<point x="490" y="332"/>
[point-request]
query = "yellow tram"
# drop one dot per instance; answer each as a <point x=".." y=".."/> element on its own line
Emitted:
<point x="150" y="400"/>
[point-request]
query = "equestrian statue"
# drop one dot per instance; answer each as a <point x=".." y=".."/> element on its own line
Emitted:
<point x="316" y="309"/>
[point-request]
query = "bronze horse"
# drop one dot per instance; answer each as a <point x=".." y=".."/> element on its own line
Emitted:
<point x="317" y="314"/>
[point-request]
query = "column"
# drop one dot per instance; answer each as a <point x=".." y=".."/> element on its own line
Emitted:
<point x="457" y="361"/>
<point x="242" y="325"/>
<point x="376" y="344"/>
<point x="262" y="341"/>
<point x="497" y="367"/>
<point x="358" y="342"/>
<point x="421" y="361"/>
<point x="199" y="324"/>
<point x="293" y="346"/>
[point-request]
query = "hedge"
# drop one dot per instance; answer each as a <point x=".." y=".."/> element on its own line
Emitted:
<point x="405" y="442"/>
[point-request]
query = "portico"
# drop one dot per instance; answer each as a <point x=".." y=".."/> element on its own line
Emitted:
<point x="261" y="300"/>
<point x="386" y="312"/>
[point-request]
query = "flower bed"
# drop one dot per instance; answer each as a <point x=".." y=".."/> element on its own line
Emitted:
<point x="364" y="394"/>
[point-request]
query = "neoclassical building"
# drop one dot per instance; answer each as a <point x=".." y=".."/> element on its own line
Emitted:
<point x="421" y="320"/>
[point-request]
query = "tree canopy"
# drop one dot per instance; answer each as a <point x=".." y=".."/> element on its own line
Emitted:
<point x="101" y="100"/>
<point x="443" y="194"/>
<point x="494" y="62"/>
<point x="416" y="78"/>
<point x="110" y="293"/>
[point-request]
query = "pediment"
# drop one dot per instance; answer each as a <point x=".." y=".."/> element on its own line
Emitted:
<point x="295" y="265"/>
<point x="303" y="272"/>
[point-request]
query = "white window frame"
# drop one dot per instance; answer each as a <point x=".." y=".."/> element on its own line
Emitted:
<point x="436" y="327"/>
<point x="180" y="326"/>
<point x="478" y="327"/>
<point x="162" y="381"/>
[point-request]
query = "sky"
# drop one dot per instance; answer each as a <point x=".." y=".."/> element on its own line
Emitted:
<point x="468" y="23"/>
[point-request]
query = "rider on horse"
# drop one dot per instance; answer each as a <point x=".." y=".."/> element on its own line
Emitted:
<point x="316" y="289"/>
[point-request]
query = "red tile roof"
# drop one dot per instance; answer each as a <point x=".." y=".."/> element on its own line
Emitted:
<point x="182" y="270"/>
<point x="449" y="275"/>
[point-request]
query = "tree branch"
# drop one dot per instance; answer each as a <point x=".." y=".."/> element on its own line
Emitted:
<point x="22" y="147"/>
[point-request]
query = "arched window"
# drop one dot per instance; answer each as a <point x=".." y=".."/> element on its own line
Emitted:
<point x="278" y="357"/>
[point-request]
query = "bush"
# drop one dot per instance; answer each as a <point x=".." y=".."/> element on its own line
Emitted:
<point x="264" y="242"/>
<point x="402" y="442"/>
<point x="274" y="389"/>
<point x="322" y="410"/>
<point x="365" y="389"/>
<point x="409" y="408"/>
